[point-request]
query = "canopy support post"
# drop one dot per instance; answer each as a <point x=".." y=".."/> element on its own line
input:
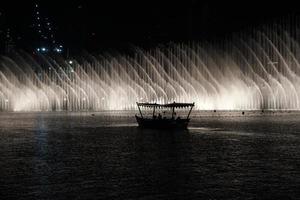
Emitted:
<point x="153" y="111"/>
<point x="190" y="110"/>
<point x="139" y="109"/>
<point x="173" y="111"/>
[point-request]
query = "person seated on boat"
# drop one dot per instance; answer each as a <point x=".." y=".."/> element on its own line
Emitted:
<point x="159" y="116"/>
<point x="178" y="118"/>
<point x="173" y="116"/>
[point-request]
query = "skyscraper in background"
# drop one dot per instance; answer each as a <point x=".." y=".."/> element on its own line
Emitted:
<point x="44" y="30"/>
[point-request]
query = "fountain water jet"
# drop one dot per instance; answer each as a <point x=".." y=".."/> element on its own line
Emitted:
<point x="256" y="70"/>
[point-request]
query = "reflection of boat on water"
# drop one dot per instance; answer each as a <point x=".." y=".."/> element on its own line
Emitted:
<point x="160" y="122"/>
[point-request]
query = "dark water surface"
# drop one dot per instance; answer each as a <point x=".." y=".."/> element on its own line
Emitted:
<point x="80" y="156"/>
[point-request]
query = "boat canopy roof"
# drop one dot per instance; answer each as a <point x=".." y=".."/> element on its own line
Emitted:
<point x="169" y="105"/>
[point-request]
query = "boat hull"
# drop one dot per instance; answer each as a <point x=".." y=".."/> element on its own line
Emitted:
<point x="162" y="123"/>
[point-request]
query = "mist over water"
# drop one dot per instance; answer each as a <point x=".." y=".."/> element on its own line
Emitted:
<point x="256" y="69"/>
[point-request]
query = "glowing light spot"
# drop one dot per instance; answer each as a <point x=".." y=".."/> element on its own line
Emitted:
<point x="58" y="50"/>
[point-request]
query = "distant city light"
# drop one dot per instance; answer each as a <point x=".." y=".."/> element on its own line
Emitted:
<point x="42" y="49"/>
<point x="55" y="49"/>
<point x="58" y="50"/>
<point x="70" y="62"/>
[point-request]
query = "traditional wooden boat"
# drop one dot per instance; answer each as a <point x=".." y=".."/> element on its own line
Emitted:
<point x="159" y="122"/>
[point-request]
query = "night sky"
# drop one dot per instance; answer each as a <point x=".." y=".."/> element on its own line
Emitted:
<point x="100" y="25"/>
